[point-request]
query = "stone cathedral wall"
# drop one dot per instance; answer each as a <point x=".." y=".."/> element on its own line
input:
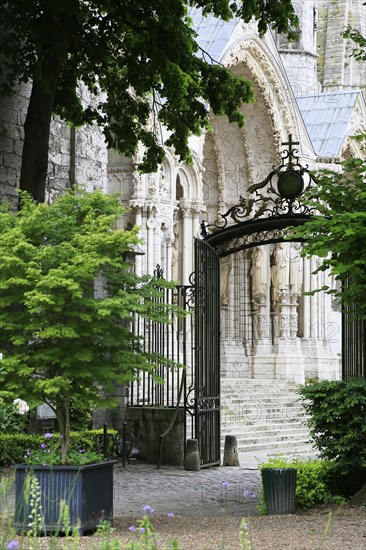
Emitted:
<point x="81" y="152"/>
<point x="336" y="67"/>
<point x="262" y="336"/>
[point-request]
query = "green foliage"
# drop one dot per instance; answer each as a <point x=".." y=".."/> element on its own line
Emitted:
<point x="143" y="56"/>
<point x="359" y="50"/>
<point x="49" y="454"/>
<point x="337" y="422"/>
<point x="64" y="339"/>
<point x="338" y="234"/>
<point x="146" y="534"/>
<point x="313" y="482"/>
<point x="81" y="417"/>
<point x="14" y="447"/>
<point x="11" y="420"/>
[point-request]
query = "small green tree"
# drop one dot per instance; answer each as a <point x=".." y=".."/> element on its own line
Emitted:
<point x="62" y="341"/>
<point x="338" y="234"/>
<point x="337" y="422"/>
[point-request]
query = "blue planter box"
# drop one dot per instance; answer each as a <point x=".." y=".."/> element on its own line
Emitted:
<point x="87" y="491"/>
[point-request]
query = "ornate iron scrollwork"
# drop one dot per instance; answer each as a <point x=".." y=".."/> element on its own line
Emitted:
<point x="277" y="195"/>
<point x="158" y="271"/>
<point x="243" y="242"/>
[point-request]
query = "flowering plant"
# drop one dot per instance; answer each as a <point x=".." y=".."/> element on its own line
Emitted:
<point x="12" y="415"/>
<point x="49" y="454"/>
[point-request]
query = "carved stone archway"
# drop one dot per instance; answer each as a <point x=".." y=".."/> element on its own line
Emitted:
<point x="273" y="206"/>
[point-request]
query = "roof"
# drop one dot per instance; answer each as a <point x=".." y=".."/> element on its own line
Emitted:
<point x="214" y="35"/>
<point x="327" y="118"/>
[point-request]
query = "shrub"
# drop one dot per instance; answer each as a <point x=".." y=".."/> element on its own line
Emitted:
<point x="337" y="422"/>
<point x="14" y="446"/>
<point x="13" y="415"/>
<point x="313" y="485"/>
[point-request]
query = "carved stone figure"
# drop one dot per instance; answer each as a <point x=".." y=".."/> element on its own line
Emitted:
<point x="296" y="269"/>
<point x="225" y="280"/>
<point x="280" y="273"/>
<point x="259" y="273"/>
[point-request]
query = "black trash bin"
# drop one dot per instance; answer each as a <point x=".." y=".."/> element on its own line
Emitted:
<point x="279" y="485"/>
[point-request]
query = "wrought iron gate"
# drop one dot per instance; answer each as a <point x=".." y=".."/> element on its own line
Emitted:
<point x="353" y="344"/>
<point x="261" y="219"/>
<point x="207" y="353"/>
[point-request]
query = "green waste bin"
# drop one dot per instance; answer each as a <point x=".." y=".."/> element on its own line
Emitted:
<point x="279" y="486"/>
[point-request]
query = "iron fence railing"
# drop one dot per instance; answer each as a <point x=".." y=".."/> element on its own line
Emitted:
<point x="170" y="342"/>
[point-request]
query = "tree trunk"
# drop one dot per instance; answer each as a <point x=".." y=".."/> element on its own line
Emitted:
<point x="63" y="417"/>
<point x="37" y="130"/>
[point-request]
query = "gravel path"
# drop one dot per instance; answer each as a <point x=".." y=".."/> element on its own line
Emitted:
<point x="209" y="507"/>
<point x="339" y="528"/>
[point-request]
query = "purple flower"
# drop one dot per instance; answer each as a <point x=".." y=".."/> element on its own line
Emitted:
<point x="226" y="484"/>
<point x="142" y="530"/>
<point x="81" y="450"/>
<point x="48" y="435"/>
<point x="147" y="509"/>
<point x="132" y="528"/>
<point x="12" y="545"/>
<point x="43" y="446"/>
<point x="170" y="515"/>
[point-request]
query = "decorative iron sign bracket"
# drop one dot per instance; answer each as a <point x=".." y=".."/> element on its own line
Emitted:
<point x="277" y="196"/>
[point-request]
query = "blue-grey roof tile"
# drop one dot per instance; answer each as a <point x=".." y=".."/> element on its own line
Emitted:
<point x="213" y="34"/>
<point x="327" y="117"/>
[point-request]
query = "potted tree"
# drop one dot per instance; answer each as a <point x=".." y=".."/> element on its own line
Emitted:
<point x="67" y="298"/>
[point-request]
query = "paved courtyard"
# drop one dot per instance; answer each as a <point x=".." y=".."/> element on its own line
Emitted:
<point x="172" y="489"/>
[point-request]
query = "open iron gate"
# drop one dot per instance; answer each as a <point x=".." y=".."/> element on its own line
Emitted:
<point x="207" y="353"/>
<point x="259" y="220"/>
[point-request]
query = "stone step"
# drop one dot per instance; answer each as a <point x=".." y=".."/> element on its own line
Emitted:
<point x="272" y="443"/>
<point x="262" y="417"/>
<point x="265" y="398"/>
<point x="252" y="459"/>
<point x="282" y="446"/>
<point x="226" y="388"/>
<point x="236" y="408"/>
<point x="266" y="416"/>
<point x="237" y="404"/>
<point x="265" y="429"/>
<point x="260" y="390"/>
<point x="262" y="434"/>
<point x="260" y="396"/>
<point x="274" y="422"/>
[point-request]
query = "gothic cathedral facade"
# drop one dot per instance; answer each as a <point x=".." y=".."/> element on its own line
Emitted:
<point x="312" y="89"/>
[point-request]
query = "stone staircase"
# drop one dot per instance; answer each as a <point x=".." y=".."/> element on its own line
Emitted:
<point x="267" y="418"/>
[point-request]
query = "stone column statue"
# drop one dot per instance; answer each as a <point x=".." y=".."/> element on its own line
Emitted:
<point x="296" y="287"/>
<point x="260" y="278"/>
<point x="280" y="278"/>
<point x="259" y="273"/>
<point x="280" y="271"/>
<point x="296" y="269"/>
